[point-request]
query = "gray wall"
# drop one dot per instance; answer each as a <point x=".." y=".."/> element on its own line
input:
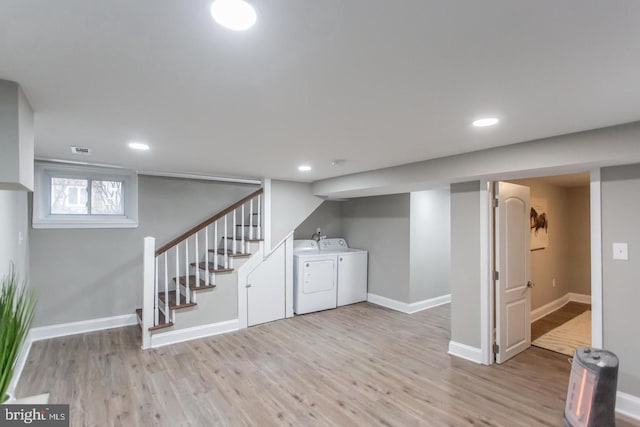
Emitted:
<point x="430" y="234"/>
<point x="465" y="263"/>
<point x="93" y="273"/>
<point x="620" y="207"/>
<point x="579" y="257"/>
<point x="14" y="219"/>
<point x="291" y="204"/>
<point x="381" y="226"/>
<point x="328" y="216"/>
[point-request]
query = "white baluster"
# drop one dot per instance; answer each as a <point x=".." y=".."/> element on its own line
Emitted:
<point x="166" y="286"/>
<point x="187" y="289"/>
<point x="233" y="245"/>
<point x="251" y="219"/>
<point x="225" y="256"/>
<point x="259" y="221"/>
<point x="206" y="255"/>
<point x="166" y="303"/>
<point x="243" y="246"/>
<point x="156" y="314"/>
<point x="197" y="273"/>
<point x="215" y="248"/>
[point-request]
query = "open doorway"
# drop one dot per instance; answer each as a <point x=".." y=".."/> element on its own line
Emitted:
<point x="558" y="275"/>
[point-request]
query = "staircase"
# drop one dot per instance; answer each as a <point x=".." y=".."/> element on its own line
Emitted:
<point x="195" y="261"/>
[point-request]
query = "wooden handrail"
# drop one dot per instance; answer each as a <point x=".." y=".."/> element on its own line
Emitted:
<point x="207" y="222"/>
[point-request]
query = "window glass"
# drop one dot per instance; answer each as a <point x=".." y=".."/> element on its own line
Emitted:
<point x="69" y="196"/>
<point x="106" y="198"/>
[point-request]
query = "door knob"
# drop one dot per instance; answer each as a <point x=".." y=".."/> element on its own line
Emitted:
<point x="529" y="284"/>
<point x="248" y="285"/>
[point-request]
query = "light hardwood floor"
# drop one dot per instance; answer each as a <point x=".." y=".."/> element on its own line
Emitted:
<point x="557" y="318"/>
<point x="356" y="365"/>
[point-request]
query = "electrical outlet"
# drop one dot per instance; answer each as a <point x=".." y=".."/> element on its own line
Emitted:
<point x="553" y="282"/>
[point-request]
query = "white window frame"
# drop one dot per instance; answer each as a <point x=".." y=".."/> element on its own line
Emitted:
<point x="42" y="217"/>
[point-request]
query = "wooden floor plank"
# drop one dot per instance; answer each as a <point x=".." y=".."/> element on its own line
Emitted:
<point x="356" y="365"/>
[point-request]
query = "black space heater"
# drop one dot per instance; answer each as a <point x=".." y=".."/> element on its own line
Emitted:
<point x="591" y="398"/>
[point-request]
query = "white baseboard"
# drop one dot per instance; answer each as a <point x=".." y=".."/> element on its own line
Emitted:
<point x="64" y="329"/>
<point x="549" y="308"/>
<point x="628" y="405"/>
<point x="426" y="304"/>
<point x="464" y="351"/>
<point x="160" y="339"/>
<point x="408" y="308"/>
<point x="20" y="363"/>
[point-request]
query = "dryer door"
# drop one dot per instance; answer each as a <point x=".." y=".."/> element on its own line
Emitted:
<point x="318" y="276"/>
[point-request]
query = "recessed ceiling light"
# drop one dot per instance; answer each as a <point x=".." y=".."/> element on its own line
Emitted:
<point x="237" y="15"/>
<point x="488" y="121"/>
<point x="304" y="168"/>
<point x="138" y="146"/>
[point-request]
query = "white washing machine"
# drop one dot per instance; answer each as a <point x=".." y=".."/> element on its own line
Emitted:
<point x="352" y="270"/>
<point x="315" y="277"/>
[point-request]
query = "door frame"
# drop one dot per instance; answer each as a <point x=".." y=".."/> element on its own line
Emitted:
<point x="487" y="289"/>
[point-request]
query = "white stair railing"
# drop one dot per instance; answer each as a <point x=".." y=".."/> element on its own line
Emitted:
<point x="163" y="281"/>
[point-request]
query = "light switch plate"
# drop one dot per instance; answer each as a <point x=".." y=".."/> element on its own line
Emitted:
<point x="620" y="251"/>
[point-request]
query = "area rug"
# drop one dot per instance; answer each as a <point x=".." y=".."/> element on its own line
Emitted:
<point x="566" y="337"/>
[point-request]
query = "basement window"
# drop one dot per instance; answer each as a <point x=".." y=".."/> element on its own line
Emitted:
<point x="77" y="196"/>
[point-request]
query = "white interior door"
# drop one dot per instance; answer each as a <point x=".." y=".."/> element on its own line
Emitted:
<point x="513" y="294"/>
<point x="266" y="290"/>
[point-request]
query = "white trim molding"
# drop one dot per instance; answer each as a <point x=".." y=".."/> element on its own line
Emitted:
<point x="181" y="335"/>
<point x="64" y="329"/>
<point x="628" y="405"/>
<point x="486" y="263"/>
<point x="472" y="354"/>
<point x="595" y="211"/>
<point x="20" y="363"/>
<point x="554" y="305"/>
<point x="408" y="308"/>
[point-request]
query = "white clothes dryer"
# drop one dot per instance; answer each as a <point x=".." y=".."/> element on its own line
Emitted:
<point x="315" y="277"/>
<point x="352" y="270"/>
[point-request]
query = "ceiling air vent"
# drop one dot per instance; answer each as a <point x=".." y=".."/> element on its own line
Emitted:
<point x="80" y="150"/>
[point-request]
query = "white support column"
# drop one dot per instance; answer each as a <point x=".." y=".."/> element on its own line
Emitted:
<point x="148" y="287"/>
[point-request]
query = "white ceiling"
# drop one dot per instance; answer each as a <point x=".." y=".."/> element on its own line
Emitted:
<point x="376" y="83"/>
